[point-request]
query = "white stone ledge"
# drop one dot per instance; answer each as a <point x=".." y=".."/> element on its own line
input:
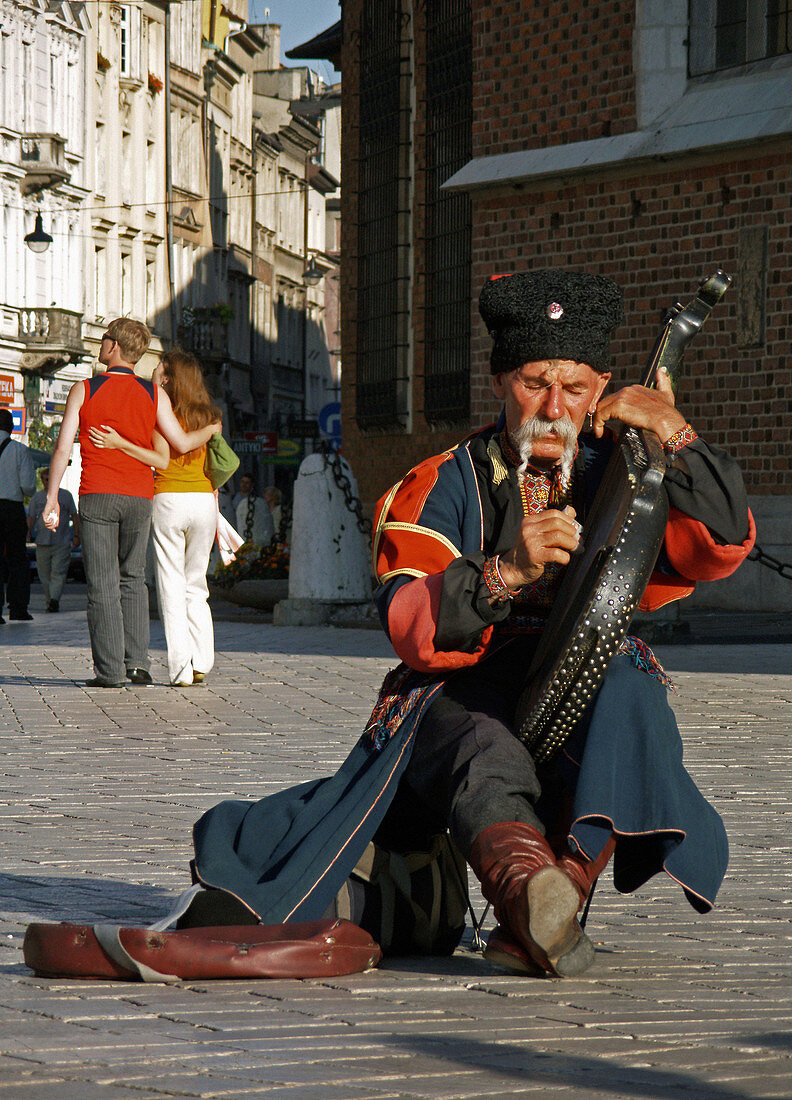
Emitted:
<point x="710" y="116"/>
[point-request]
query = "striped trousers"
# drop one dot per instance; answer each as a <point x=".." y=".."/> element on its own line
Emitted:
<point x="115" y="531"/>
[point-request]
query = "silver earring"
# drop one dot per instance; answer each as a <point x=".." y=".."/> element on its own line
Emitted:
<point x="591" y="422"/>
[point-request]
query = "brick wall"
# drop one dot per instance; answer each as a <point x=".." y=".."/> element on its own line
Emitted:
<point x="656" y="235"/>
<point x="378" y="458"/>
<point x="655" y="229"/>
<point x="547" y="74"/>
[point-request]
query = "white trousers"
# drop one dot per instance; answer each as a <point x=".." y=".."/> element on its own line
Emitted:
<point x="183" y="528"/>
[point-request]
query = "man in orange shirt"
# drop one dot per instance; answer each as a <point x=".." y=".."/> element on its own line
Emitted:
<point x="116" y="498"/>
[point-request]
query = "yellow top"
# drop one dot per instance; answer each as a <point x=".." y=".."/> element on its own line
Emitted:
<point x="185" y="474"/>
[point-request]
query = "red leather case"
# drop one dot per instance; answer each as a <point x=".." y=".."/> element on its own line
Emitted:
<point x="311" y="949"/>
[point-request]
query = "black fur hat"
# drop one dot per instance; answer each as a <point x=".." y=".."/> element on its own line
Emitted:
<point x="554" y="314"/>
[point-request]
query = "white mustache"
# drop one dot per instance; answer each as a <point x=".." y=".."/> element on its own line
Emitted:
<point x="536" y="427"/>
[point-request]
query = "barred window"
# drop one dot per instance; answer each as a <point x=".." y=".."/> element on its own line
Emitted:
<point x="727" y="33"/>
<point x="448" y="216"/>
<point x="383" y="220"/>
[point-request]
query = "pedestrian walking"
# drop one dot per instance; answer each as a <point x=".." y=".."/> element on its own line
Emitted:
<point x="53" y="548"/>
<point x="116" y="491"/>
<point x="184" y="522"/>
<point x="17" y="480"/>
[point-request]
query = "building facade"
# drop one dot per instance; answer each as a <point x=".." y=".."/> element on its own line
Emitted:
<point x="173" y="192"/>
<point x="45" y="178"/>
<point x="647" y="141"/>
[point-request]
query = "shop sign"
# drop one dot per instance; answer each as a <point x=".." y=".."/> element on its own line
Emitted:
<point x="289" y="454"/>
<point x="6" y="389"/>
<point x="255" y="443"/>
<point x="54" y="392"/>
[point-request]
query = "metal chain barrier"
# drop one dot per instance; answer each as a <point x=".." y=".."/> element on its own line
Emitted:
<point x="333" y="460"/>
<point x="784" y="569"/>
<point x="283" y="526"/>
<point x="247" y="534"/>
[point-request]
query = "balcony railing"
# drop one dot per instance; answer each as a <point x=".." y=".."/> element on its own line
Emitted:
<point x="51" y="327"/>
<point x="43" y="157"/>
<point x="208" y="339"/>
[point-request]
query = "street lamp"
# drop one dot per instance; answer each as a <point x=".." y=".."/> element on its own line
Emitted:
<point x="312" y="274"/>
<point x="38" y="240"/>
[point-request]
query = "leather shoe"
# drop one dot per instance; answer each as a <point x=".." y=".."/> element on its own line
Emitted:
<point x="21" y="617"/>
<point x="98" y="682"/>
<point x="53" y="606"/>
<point x="139" y="676"/>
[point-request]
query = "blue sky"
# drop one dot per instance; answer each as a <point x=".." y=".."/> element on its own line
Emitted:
<point x="299" y="21"/>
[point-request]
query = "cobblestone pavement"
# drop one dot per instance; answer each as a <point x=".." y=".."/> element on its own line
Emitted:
<point x="102" y="787"/>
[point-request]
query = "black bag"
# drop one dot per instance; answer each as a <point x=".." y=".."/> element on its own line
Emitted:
<point x="411" y="903"/>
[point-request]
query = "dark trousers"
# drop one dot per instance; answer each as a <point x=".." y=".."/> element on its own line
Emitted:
<point x="13" y="536"/>
<point x="114" y="530"/>
<point x="468" y="770"/>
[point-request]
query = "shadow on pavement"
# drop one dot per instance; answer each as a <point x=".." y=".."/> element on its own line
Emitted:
<point x="528" y="1064"/>
<point x="82" y="899"/>
<point x="758" y="660"/>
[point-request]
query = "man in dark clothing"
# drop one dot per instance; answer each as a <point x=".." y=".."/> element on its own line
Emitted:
<point x="17" y="480"/>
<point x="470" y="548"/>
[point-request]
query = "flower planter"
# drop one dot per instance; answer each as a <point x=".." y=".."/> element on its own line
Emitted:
<point x="262" y="594"/>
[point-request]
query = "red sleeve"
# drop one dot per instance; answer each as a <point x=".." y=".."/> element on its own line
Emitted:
<point x="412" y="620"/>
<point x="695" y="556"/>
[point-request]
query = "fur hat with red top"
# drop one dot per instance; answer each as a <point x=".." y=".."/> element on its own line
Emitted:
<point x="552" y="314"/>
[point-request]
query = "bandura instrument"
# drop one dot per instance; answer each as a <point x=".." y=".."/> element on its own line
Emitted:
<point x="619" y="545"/>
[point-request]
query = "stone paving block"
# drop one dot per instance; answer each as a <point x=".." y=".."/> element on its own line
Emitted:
<point x="60" y="1089"/>
<point x="111" y="840"/>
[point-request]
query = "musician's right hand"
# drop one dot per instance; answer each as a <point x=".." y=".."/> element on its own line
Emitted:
<point x="549" y="536"/>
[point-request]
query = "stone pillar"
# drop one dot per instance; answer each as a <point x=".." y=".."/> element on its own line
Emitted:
<point x="330" y="567"/>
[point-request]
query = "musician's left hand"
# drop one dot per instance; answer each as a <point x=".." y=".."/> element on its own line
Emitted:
<point x="642" y="408"/>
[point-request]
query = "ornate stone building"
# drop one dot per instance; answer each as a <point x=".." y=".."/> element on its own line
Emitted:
<point x="172" y="191"/>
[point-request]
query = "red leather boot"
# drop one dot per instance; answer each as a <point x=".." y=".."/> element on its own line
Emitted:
<point x="584" y="872"/>
<point x="535" y="902"/>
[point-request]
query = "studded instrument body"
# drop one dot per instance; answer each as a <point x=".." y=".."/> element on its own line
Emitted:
<point x="605" y="581"/>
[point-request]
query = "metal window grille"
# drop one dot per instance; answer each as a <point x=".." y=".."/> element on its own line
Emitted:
<point x="448" y="216"/>
<point x="731" y="30"/>
<point x="727" y="33"/>
<point x="380" y="391"/>
<point x="779" y="27"/>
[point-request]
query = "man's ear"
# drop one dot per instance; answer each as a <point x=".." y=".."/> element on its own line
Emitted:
<point x="498" y="387"/>
<point x="602" y="382"/>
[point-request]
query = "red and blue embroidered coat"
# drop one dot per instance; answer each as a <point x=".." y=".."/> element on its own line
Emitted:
<point x="436" y="527"/>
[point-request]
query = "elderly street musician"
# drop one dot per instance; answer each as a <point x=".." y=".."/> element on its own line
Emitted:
<point x="470" y="548"/>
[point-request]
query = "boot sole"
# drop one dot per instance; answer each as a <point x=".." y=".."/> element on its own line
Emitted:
<point x="553" y="903"/>
<point x="502" y="950"/>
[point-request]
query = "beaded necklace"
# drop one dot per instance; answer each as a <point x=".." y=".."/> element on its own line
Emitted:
<point x="538" y="491"/>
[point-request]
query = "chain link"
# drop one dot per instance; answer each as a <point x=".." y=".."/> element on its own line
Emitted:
<point x="333" y="460"/>
<point x="247" y="534"/>
<point x="784" y="569"/>
<point x="283" y="526"/>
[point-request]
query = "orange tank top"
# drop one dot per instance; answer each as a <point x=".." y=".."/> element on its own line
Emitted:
<point x="121" y="400"/>
<point x="184" y="474"/>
